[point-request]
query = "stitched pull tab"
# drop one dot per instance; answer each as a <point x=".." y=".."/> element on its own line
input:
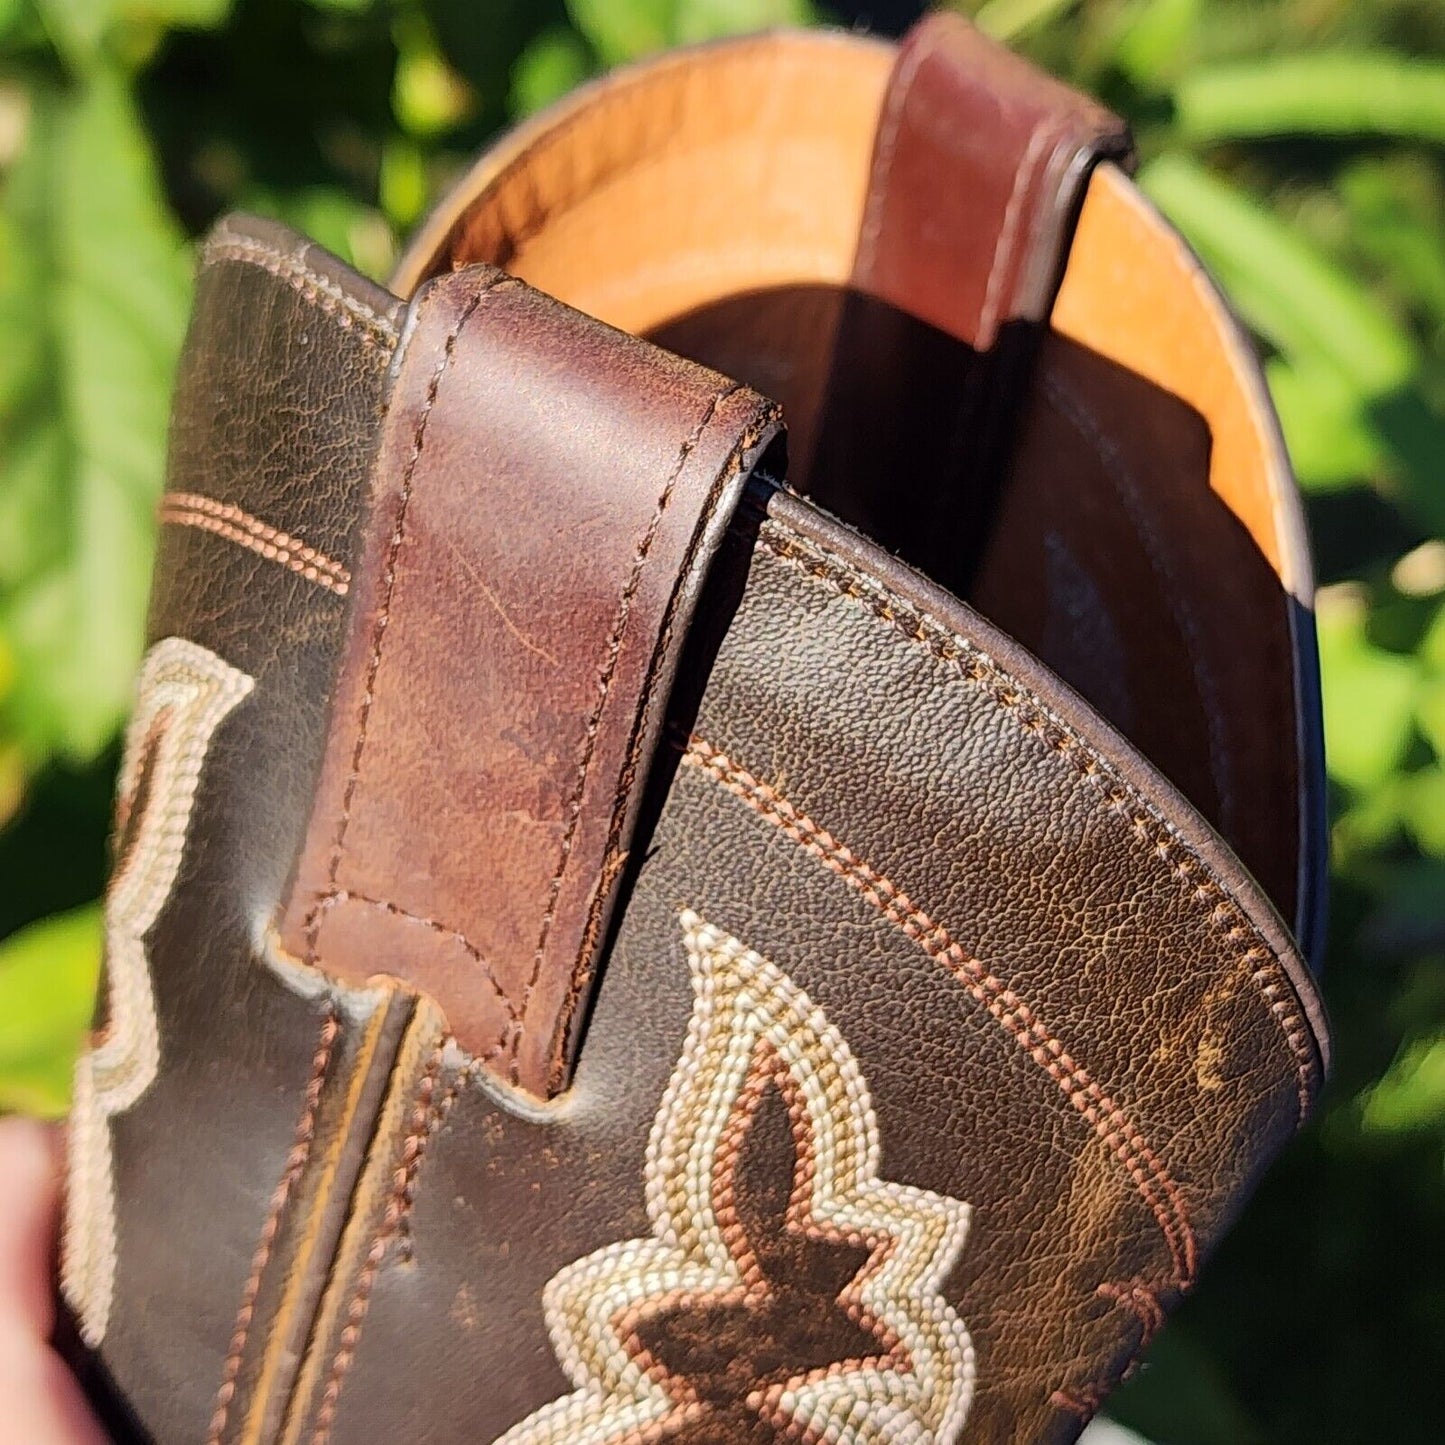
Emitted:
<point x="548" y="495"/>
<point x="978" y="170"/>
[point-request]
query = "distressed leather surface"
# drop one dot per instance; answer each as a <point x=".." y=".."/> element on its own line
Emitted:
<point x="978" y="886"/>
<point x="261" y="524"/>
<point x="937" y="1036"/>
<point x="549" y="494"/>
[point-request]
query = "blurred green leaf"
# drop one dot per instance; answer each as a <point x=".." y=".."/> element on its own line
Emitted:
<point x="1179" y="1397"/>
<point x="48" y="976"/>
<point x="1396" y="218"/>
<point x="1324" y="94"/>
<point x="623" y="30"/>
<point x="1155" y="40"/>
<point x="555" y="62"/>
<point x="1425" y="809"/>
<point x="1370" y="695"/>
<point x="1332" y="442"/>
<point x="1412" y="1094"/>
<point x="1011" y="19"/>
<point x="76" y="26"/>
<point x="1308" y="307"/>
<point x="97" y="325"/>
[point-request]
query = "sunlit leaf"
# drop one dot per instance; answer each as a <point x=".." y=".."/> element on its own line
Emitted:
<point x="87" y="418"/>
<point x="555" y="62"/>
<point x="1287" y="290"/>
<point x="625" y="29"/>
<point x="1012" y="19"/>
<point x="47" y="985"/>
<point x="1328" y="93"/>
<point x="1370" y="695"/>
<point x="1332" y="442"/>
<point x="1412" y="1095"/>
<point x="1155" y="40"/>
<point x="1397" y="219"/>
<point x="1425" y="807"/>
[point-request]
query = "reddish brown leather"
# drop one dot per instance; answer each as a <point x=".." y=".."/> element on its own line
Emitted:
<point x="547" y="497"/>
<point x="978" y="171"/>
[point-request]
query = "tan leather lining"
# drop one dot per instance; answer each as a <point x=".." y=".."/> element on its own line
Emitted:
<point x="1133" y="292"/>
<point x="704" y="174"/>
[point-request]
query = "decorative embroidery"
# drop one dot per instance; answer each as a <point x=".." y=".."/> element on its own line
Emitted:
<point x="787" y="1292"/>
<point x="184" y="693"/>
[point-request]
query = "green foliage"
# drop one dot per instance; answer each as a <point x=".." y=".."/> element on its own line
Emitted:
<point x="47" y="974"/>
<point x="1299" y="145"/>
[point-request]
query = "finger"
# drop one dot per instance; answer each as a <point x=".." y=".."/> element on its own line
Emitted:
<point x="42" y="1402"/>
<point x="29" y="1197"/>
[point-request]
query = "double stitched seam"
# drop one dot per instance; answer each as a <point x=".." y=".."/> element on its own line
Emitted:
<point x="606" y="672"/>
<point x="378" y="637"/>
<point x="295" y="1166"/>
<point x="349" y="311"/>
<point x="1225" y="915"/>
<point x="419" y="1132"/>
<point x="188" y="509"/>
<point x="1013" y="1014"/>
<point x="613" y="859"/>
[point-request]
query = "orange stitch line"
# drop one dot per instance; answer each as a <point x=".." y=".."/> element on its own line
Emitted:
<point x="1108" y="1121"/>
<point x="1142" y="1302"/>
<point x="388" y="592"/>
<point x="295" y="1165"/>
<point x="338" y="896"/>
<point x="1152" y="827"/>
<point x="186" y="509"/>
<point x="605" y="674"/>
<point x="412" y="1151"/>
<point x="405" y="1244"/>
<point x="348" y="311"/>
<point x="1085" y="1402"/>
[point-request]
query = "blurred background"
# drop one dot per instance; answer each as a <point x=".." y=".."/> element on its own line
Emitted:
<point x="1300" y="144"/>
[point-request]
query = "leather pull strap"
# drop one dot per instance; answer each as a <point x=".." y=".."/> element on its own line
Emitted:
<point x="547" y="499"/>
<point x="978" y="170"/>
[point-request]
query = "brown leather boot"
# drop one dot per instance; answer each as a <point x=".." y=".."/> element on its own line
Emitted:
<point x="621" y="936"/>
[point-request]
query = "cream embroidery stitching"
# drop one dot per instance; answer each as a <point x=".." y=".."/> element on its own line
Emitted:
<point x="184" y="693"/>
<point x="719" y="1260"/>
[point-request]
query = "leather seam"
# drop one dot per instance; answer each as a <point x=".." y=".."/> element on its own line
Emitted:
<point x="900" y="88"/>
<point x="413" y="1150"/>
<point x="606" y="673"/>
<point x="388" y="590"/>
<point x="613" y="860"/>
<point x="1226" y="916"/>
<point x="294" y="1168"/>
<point x="348" y="311"/>
<point x="1046" y="129"/>
<point x="188" y="509"/>
<point x="341" y="896"/>
<point x="1110" y="1124"/>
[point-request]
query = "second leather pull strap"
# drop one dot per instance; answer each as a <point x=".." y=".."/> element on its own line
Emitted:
<point x="979" y="167"/>
<point x="547" y="499"/>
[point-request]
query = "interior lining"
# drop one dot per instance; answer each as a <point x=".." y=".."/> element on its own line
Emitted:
<point x="728" y="186"/>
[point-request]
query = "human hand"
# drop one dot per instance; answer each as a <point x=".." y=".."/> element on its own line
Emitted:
<point x="42" y="1403"/>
